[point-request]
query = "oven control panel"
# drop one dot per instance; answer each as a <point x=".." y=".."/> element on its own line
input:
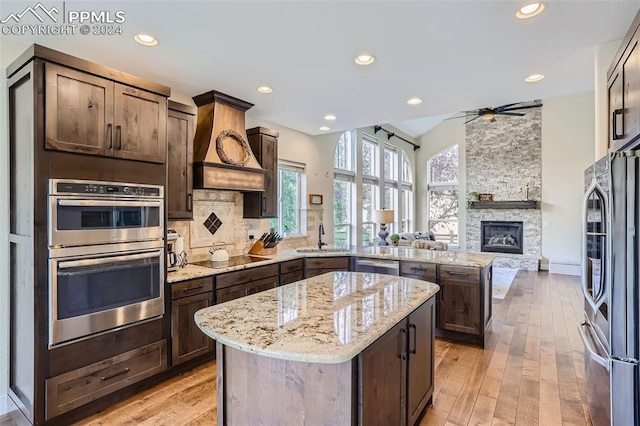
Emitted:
<point x="111" y="189"/>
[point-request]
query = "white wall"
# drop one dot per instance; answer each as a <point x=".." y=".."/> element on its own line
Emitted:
<point x="568" y="140"/>
<point x="9" y="50"/>
<point x="438" y="139"/>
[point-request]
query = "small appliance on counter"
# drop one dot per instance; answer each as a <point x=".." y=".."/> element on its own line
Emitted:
<point x="176" y="256"/>
<point x="219" y="253"/>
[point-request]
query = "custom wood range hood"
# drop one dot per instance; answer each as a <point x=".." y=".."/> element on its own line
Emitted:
<point x="222" y="157"/>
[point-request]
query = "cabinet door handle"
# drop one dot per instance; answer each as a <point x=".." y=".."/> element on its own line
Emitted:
<point x="193" y="288"/>
<point x="442" y="292"/>
<point x="119" y="137"/>
<point x="403" y="355"/>
<point x="109" y="136"/>
<point x="614" y="124"/>
<point x="415" y="338"/>
<point x="264" y="204"/>
<point x="189" y="202"/>
<point x="120" y="373"/>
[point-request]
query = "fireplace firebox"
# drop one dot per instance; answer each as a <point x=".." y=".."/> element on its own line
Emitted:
<point x="501" y="236"/>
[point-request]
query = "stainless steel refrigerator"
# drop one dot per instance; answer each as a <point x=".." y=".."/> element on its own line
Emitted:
<point x="610" y="280"/>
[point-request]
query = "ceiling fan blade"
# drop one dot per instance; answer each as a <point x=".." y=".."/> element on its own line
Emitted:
<point x="474" y="118"/>
<point x="452" y="118"/>
<point x="516" y="114"/>
<point x="502" y="107"/>
<point x="522" y="107"/>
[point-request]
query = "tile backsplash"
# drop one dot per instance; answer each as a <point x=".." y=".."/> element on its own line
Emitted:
<point x="234" y="231"/>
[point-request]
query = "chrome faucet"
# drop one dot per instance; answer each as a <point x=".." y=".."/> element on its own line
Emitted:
<point x="320" y="234"/>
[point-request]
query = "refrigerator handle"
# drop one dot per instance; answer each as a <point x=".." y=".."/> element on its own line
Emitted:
<point x="592" y="353"/>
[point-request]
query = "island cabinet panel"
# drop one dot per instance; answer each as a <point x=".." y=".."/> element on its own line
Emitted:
<point x="383" y="375"/>
<point x="464" y="303"/>
<point x="291" y="271"/>
<point x="233" y="285"/>
<point x="396" y="371"/>
<point x="259" y="390"/>
<point x="78" y="387"/>
<point x="187" y="340"/>
<point x="320" y="265"/>
<point x="92" y="115"/>
<point x="181" y="124"/>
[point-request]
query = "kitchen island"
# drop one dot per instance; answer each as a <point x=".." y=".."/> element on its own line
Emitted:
<point x="338" y="348"/>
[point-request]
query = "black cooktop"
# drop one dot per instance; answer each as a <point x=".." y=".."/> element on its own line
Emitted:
<point x="233" y="261"/>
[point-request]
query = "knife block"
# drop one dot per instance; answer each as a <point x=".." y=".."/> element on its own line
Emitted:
<point x="259" y="249"/>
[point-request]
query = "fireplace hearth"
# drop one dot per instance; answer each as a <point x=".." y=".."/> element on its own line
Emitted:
<point x="501" y="236"/>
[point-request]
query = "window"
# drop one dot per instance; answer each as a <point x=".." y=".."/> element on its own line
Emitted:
<point x="291" y="178"/>
<point x="344" y="174"/>
<point x="406" y="195"/>
<point x="443" y="195"/>
<point x="370" y="175"/>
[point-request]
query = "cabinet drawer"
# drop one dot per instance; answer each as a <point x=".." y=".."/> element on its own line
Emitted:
<point x="78" y="387"/>
<point x="460" y="273"/>
<point x="417" y="268"/>
<point x="226" y="294"/>
<point x="246" y="275"/>
<point x="291" y="277"/>
<point x="291" y="266"/>
<point x="191" y="287"/>
<point x="328" y="263"/>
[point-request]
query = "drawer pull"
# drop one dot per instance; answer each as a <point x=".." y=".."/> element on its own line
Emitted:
<point x="459" y="274"/>
<point x="419" y="269"/>
<point x="120" y="373"/>
<point x="193" y="288"/>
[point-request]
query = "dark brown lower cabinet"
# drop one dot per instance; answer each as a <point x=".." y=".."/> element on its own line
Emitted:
<point x="464" y="303"/>
<point x="187" y="341"/>
<point x="78" y="387"/>
<point x="396" y="371"/>
<point x="232" y="285"/>
<point x="319" y="265"/>
<point x="291" y="271"/>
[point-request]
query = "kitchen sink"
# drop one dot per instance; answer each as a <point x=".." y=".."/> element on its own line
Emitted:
<point x="322" y="250"/>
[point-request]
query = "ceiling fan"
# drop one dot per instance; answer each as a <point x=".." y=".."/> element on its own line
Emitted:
<point x="489" y="113"/>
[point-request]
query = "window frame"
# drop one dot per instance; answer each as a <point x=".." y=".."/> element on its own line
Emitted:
<point x="300" y="170"/>
<point x="454" y="239"/>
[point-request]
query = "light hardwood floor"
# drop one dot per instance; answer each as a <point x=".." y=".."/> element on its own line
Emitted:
<point x="530" y="373"/>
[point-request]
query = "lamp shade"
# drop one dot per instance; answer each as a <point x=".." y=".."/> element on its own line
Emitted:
<point x="383" y="216"/>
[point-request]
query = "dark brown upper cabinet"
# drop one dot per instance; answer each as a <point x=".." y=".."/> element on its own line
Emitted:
<point x="181" y="125"/>
<point x="92" y="115"/>
<point x="264" y="144"/>
<point x="623" y="83"/>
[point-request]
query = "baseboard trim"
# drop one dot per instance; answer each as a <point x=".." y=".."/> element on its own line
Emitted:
<point x="562" y="268"/>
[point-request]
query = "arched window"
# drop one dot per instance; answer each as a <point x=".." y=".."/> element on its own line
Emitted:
<point x="442" y="195"/>
<point x="406" y="194"/>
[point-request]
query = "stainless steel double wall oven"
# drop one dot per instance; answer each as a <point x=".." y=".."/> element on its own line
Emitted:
<point x="106" y="257"/>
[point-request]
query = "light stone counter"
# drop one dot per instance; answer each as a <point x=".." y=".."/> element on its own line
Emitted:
<point x="479" y="260"/>
<point x="329" y="318"/>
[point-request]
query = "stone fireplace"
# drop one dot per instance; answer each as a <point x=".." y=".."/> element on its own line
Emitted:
<point x="501" y="236"/>
<point x="504" y="159"/>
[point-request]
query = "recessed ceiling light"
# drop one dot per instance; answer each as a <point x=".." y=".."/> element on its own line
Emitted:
<point x="324" y="128"/>
<point x="145" y="39"/>
<point x="330" y="117"/>
<point x="265" y="89"/>
<point x="530" y="10"/>
<point x="365" y="59"/>
<point x="533" y="78"/>
<point x="414" y="101"/>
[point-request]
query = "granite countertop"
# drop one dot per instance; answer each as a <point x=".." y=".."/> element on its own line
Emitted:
<point x="458" y="258"/>
<point x="329" y="318"/>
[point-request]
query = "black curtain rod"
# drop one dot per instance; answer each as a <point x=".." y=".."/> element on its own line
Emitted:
<point x="390" y="135"/>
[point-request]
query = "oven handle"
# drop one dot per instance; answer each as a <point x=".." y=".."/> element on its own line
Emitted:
<point x="102" y="260"/>
<point x="83" y="203"/>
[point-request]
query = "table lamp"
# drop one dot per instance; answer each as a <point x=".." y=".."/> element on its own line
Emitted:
<point x="383" y="217"/>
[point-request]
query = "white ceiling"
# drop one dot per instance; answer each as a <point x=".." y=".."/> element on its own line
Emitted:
<point x="456" y="55"/>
